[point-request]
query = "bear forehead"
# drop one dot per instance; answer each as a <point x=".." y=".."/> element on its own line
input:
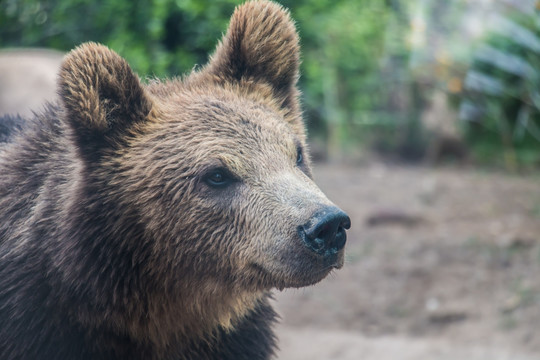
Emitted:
<point x="217" y="128"/>
<point x="223" y="117"/>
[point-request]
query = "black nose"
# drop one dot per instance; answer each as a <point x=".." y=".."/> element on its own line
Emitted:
<point x="325" y="233"/>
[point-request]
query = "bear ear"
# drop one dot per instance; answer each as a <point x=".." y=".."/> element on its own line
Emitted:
<point x="261" y="44"/>
<point x="101" y="94"/>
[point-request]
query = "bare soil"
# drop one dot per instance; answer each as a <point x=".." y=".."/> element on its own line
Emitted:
<point x="442" y="263"/>
<point x="27" y="79"/>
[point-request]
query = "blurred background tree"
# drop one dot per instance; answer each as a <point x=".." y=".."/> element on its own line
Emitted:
<point x="375" y="73"/>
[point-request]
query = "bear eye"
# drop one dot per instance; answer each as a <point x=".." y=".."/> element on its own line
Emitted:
<point x="218" y="178"/>
<point x="299" y="156"/>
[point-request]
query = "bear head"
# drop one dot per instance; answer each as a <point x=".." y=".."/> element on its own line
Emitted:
<point x="213" y="169"/>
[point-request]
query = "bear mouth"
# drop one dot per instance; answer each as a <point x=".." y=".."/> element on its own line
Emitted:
<point x="299" y="271"/>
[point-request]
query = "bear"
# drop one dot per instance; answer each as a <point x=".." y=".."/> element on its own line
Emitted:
<point x="153" y="220"/>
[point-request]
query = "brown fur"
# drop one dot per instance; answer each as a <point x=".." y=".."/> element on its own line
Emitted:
<point x="107" y="206"/>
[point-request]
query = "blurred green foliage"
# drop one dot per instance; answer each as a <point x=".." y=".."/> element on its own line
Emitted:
<point x="361" y="79"/>
<point x="503" y="110"/>
<point x="159" y="38"/>
<point x="342" y="43"/>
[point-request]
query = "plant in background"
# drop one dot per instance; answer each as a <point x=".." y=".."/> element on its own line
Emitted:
<point x="369" y="67"/>
<point x="159" y="38"/>
<point x="501" y="103"/>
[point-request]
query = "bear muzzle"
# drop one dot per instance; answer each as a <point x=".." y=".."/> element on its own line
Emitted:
<point x="325" y="232"/>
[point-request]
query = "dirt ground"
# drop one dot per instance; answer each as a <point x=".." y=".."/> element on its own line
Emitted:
<point x="27" y="79"/>
<point x="442" y="263"/>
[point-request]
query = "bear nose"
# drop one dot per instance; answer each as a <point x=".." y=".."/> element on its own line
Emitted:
<point x="324" y="233"/>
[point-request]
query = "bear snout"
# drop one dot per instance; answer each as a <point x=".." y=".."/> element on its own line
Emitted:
<point x="325" y="232"/>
